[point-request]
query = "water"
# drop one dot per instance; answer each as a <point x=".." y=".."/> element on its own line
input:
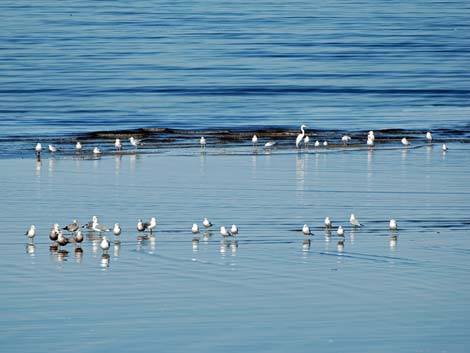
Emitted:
<point x="171" y="72"/>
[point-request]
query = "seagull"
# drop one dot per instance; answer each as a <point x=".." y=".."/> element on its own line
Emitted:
<point x="254" y="140"/>
<point x="61" y="240"/>
<point x="150" y="226"/>
<point x="405" y="141"/>
<point x="370" y="142"/>
<point x="78" y="237"/>
<point x="89" y="225"/>
<point x="225" y="232"/>
<point x="340" y="231"/>
<point x="72" y="227"/>
<point x="306" y="141"/>
<point x="300" y="136"/>
<point x="327" y="222"/>
<point x="54" y="234"/>
<point x="99" y="228"/>
<point x="317" y="144"/>
<point x="195" y="228"/>
<point x="38" y="150"/>
<point x="117" y="229"/>
<point x="203" y="142"/>
<point x="31" y="232"/>
<point x="269" y="144"/>
<point x="354" y="221"/>
<point x="306" y="230"/>
<point x="104" y="245"/>
<point x="393" y="224"/>
<point x="371" y="136"/>
<point x="96" y="150"/>
<point x="53" y="149"/>
<point x="78" y="146"/>
<point x="429" y="136"/>
<point x="206" y="223"/>
<point x="118" y="144"/>
<point x="134" y="142"/>
<point x="234" y="229"/>
<point x="140" y="225"/>
<point x="325" y="143"/>
<point x="444" y="147"/>
<point x="346" y="139"/>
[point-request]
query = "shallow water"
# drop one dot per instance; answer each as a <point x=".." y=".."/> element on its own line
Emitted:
<point x="266" y="294"/>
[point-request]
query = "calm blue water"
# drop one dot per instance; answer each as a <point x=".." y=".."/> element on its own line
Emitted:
<point x="351" y="65"/>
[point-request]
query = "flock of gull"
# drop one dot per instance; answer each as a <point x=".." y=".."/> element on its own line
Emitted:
<point x="302" y="141"/>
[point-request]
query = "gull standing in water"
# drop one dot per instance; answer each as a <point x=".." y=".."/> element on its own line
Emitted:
<point x="104" y="245"/>
<point x="78" y="147"/>
<point x="134" y="142"/>
<point x="370" y="141"/>
<point x="89" y="225"/>
<point x="78" y="237"/>
<point x="444" y="147"/>
<point x="31" y="232"/>
<point x="429" y="136"/>
<point x="354" y="221"/>
<point x="53" y="149"/>
<point x="269" y="144"/>
<point x="206" y="223"/>
<point x="317" y="144"/>
<point x="117" y="229"/>
<point x="340" y="231"/>
<point x="54" y="234"/>
<point x="346" y="139"/>
<point x="203" y="142"/>
<point x="96" y="150"/>
<point x="325" y="143"/>
<point x="195" y="228"/>
<point x="327" y="222"/>
<point x="300" y="136"/>
<point x="140" y="225"/>
<point x="371" y="135"/>
<point x="118" y="144"/>
<point x="61" y="240"/>
<point x="99" y="228"/>
<point x="72" y="227"/>
<point x="306" y="141"/>
<point x="225" y="232"/>
<point x="393" y="224"/>
<point x="254" y="140"/>
<point x="405" y="141"/>
<point x="306" y="230"/>
<point x="150" y="226"/>
<point x="234" y="229"/>
<point x="38" y="151"/>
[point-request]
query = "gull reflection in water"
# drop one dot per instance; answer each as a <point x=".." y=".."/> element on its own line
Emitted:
<point x="195" y="244"/>
<point x="223" y="247"/>
<point x="116" y="248"/>
<point x="104" y="263"/>
<point x="234" y="247"/>
<point x="31" y="249"/>
<point x="202" y="163"/>
<point x="51" y="165"/>
<point x="78" y="255"/>
<point x="206" y="236"/>
<point x="352" y="235"/>
<point x="306" y="245"/>
<point x="38" y="168"/>
<point x="393" y="241"/>
<point x="117" y="163"/>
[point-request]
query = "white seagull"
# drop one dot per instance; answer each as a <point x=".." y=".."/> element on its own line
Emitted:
<point x="306" y="230"/>
<point x="99" y="228"/>
<point x="405" y="141"/>
<point x="206" y="223"/>
<point x="254" y="140"/>
<point x="150" y="226"/>
<point x="354" y="221"/>
<point x="78" y="146"/>
<point x="117" y="229"/>
<point x="225" y="232"/>
<point x="340" y="231"/>
<point x="371" y="135"/>
<point x="38" y="150"/>
<point x="327" y="222"/>
<point x="370" y="142"/>
<point x="300" y="136"/>
<point x="72" y="227"/>
<point x="269" y="144"/>
<point x="134" y="142"/>
<point x="104" y="245"/>
<point x="203" y="142"/>
<point x="444" y="147"/>
<point x="195" y="228"/>
<point x="118" y="144"/>
<point x="325" y="143"/>
<point x="96" y="150"/>
<point x="317" y="144"/>
<point x="234" y="229"/>
<point x="140" y="225"/>
<point x="306" y="141"/>
<point x="393" y="224"/>
<point x="429" y="136"/>
<point x="31" y="232"/>
<point x="346" y="139"/>
<point x="53" y="149"/>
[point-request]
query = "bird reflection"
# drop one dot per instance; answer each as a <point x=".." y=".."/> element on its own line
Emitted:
<point x="352" y="234"/>
<point x="117" y="163"/>
<point x="62" y="255"/>
<point x="234" y="247"/>
<point x="78" y="255"/>
<point x="31" y="249"/>
<point x="51" y="165"/>
<point x="393" y="242"/>
<point x="306" y="245"/>
<point x="104" y="263"/>
<point x="38" y="168"/>
<point x="195" y="244"/>
<point x="223" y="247"/>
<point x="116" y="248"/>
<point x="206" y="236"/>
<point x="340" y="245"/>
